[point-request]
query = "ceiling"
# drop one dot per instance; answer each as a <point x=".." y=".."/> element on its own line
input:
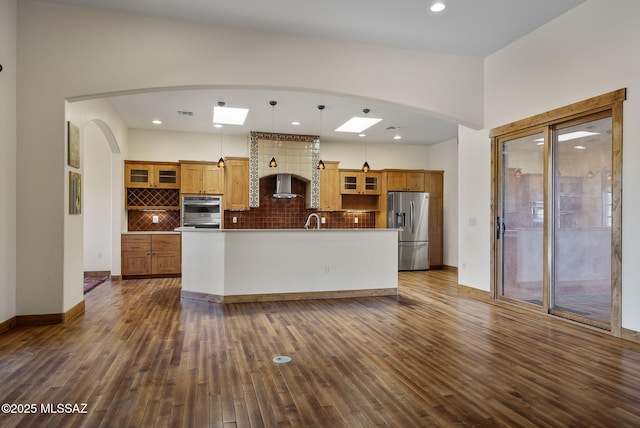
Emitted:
<point x="465" y="27"/>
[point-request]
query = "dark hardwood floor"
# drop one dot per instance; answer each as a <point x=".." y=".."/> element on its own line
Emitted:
<point x="140" y="356"/>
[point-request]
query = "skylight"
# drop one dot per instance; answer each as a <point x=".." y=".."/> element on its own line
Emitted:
<point x="229" y="115"/>
<point x="357" y="124"/>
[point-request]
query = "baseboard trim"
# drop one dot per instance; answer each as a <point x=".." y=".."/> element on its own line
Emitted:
<point x="116" y="278"/>
<point x="46" y="319"/>
<point x="8" y="324"/>
<point x="74" y="312"/>
<point x="474" y="293"/>
<point x="450" y="268"/>
<point x="97" y="273"/>
<point x="630" y="335"/>
<point x="275" y="297"/>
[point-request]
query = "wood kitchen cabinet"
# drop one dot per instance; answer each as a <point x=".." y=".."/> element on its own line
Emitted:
<point x="157" y="175"/>
<point x="330" y="187"/>
<point x="201" y="178"/>
<point x="236" y="184"/>
<point x="359" y="183"/>
<point x="151" y="254"/>
<point x="434" y="185"/>
<point x="405" y="181"/>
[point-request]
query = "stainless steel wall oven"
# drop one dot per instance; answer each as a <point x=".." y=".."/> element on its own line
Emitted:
<point x="202" y="211"/>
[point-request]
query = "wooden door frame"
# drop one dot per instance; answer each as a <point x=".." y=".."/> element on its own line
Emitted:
<point x="611" y="102"/>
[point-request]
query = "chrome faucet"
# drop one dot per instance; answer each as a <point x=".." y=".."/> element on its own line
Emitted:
<point x="308" y="223"/>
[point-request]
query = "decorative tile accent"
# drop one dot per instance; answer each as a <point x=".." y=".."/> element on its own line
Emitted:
<point x="296" y="154"/>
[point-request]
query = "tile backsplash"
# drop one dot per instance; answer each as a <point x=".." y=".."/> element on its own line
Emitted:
<point x="291" y="213"/>
<point x="142" y="221"/>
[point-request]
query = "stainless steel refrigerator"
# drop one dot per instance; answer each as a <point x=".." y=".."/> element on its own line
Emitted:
<point x="409" y="211"/>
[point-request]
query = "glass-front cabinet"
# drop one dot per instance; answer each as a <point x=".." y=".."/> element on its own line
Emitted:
<point x="359" y="183"/>
<point x="152" y="175"/>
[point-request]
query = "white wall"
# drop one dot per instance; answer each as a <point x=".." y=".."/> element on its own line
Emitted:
<point x="474" y="195"/>
<point x="97" y="210"/>
<point x="86" y="54"/>
<point x="444" y="156"/>
<point x="589" y="51"/>
<point x="8" y="159"/>
<point x="168" y="146"/>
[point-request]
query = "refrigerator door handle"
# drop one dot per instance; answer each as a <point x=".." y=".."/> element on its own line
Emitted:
<point x="412" y="216"/>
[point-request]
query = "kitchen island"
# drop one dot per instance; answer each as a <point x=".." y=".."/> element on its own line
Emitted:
<point x="252" y="265"/>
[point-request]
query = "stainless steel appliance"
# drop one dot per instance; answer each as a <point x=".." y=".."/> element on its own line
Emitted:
<point x="202" y="211"/>
<point x="409" y="211"/>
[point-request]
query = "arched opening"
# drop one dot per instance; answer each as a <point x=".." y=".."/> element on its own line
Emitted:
<point x="101" y="217"/>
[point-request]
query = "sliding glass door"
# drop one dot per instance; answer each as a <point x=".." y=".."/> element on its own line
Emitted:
<point x="582" y="195"/>
<point x="557" y="235"/>
<point x="519" y="225"/>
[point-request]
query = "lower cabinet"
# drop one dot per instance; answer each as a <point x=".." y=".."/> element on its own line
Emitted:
<point x="152" y="254"/>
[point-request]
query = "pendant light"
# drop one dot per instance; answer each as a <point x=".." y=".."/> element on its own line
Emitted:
<point x="365" y="166"/>
<point x="320" y="163"/>
<point x="221" y="160"/>
<point x="272" y="162"/>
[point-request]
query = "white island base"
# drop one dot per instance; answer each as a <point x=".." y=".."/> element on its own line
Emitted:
<point x="261" y="265"/>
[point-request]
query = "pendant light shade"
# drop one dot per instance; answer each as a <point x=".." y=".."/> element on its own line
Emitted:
<point x="272" y="162"/>
<point x="365" y="166"/>
<point x="221" y="160"/>
<point x="320" y="163"/>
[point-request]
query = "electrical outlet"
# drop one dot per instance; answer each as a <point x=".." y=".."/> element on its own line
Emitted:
<point x="323" y="220"/>
<point x="234" y="219"/>
<point x="155" y="219"/>
<point x="99" y="255"/>
<point x="355" y="220"/>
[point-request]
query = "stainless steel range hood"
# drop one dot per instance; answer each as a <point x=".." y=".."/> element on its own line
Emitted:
<point x="283" y="187"/>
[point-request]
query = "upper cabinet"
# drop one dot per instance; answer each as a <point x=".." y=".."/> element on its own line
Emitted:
<point x="405" y="181"/>
<point x="330" y="187"/>
<point x="156" y="175"/>
<point x="202" y="178"/>
<point x="236" y="184"/>
<point x="359" y="183"/>
<point x="434" y="183"/>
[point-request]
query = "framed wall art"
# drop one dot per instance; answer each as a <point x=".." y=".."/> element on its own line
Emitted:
<point x="73" y="145"/>
<point x="75" y="193"/>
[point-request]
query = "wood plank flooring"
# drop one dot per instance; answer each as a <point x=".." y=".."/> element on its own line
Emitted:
<point x="141" y="357"/>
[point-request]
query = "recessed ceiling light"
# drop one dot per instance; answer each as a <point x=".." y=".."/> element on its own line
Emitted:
<point x="156" y="122"/>
<point x="217" y="125"/>
<point x="357" y="124"/>
<point x="295" y="123"/>
<point x="579" y="147"/>
<point x="229" y="115"/>
<point x="437" y="7"/>
<point x="397" y="137"/>
<point x="362" y="135"/>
